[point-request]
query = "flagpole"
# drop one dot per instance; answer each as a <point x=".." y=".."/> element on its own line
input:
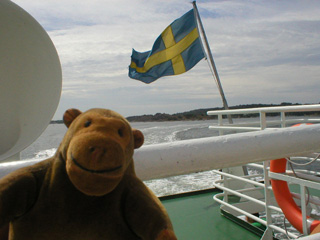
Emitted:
<point x="211" y="61"/>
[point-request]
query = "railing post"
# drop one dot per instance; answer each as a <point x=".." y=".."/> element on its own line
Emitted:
<point x="220" y="123"/>
<point x="267" y="193"/>
<point x="283" y="119"/>
<point x="304" y="210"/>
<point x="226" y="185"/>
<point x="263" y="125"/>
<point x="263" y="121"/>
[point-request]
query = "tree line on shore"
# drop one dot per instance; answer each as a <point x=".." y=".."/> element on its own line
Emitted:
<point x="201" y="114"/>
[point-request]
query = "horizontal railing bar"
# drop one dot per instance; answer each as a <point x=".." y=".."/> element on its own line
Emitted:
<point x="245" y="129"/>
<point x="315" y="236"/>
<point x="277" y="209"/>
<point x="302" y="108"/>
<point x="303" y="182"/>
<point x="301" y="175"/>
<point x="311" y="199"/>
<point x="255" y="165"/>
<point x="248" y="176"/>
<point x="278" y="229"/>
<point x="305" y="171"/>
<point x="196" y="155"/>
<point x="187" y="156"/>
<point x="239" y="194"/>
<point x="216" y="198"/>
<point x="239" y="178"/>
<point x="259" y="202"/>
<point x="273" y="122"/>
<point x="297" y="158"/>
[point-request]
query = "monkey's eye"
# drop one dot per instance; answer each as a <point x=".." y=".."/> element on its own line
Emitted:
<point x="87" y="123"/>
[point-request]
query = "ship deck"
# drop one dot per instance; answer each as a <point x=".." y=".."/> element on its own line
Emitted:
<point x="197" y="216"/>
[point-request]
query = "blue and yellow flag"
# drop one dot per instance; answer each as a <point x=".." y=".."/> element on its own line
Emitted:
<point x="175" y="51"/>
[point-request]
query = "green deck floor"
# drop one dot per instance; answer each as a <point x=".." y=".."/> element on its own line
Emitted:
<point x="197" y="217"/>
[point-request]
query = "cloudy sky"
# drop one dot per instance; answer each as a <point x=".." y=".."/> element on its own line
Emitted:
<point x="265" y="52"/>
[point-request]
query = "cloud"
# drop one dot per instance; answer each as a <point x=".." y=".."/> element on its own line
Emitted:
<point x="265" y="52"/>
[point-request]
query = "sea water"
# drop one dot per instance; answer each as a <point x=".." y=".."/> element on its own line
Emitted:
<point x="154" y="132"/>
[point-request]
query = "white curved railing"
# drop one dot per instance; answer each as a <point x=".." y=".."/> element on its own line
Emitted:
<point x="188" y="156"/>
<point x="182" y="157"/>
<point x="263" y="124"/>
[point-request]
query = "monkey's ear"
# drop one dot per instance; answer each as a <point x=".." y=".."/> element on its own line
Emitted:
<point x="138" y="138"/>
<point x="70" y="115"/>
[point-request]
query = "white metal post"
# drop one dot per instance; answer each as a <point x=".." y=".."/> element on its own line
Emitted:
<point x="283" y="119"/>
<point x="304" y="209"/>
<point x="263" y="121"/>
<point x="220" y="122"/>
<point x="267" y="192"/>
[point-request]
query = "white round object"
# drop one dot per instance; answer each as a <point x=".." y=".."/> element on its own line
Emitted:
<point x="30" y="77"/>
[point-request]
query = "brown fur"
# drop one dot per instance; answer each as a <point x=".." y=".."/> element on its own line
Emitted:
<point x="88" y="190"/>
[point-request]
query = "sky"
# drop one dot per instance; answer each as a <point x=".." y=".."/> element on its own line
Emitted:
<point x="265" y="52"/>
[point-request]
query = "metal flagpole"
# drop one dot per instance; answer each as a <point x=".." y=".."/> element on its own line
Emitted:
<point x="211" y="61"/>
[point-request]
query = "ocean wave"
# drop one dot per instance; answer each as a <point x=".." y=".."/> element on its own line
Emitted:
<point x="150" y="128"/>
<point x="182" y="183"/>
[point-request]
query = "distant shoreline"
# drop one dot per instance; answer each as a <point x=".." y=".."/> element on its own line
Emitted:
<point x="201" y="114"/>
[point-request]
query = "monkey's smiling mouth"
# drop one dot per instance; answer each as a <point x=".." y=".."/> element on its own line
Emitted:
<point x="94" y="171"/>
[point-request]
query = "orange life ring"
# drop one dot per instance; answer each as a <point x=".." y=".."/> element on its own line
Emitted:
<point x="284" y="199"/>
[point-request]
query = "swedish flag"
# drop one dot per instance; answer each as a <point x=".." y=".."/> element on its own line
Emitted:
<point x="175" y="51"/>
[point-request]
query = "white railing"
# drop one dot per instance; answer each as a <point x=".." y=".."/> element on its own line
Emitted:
<point x="267" y="202"/>
<point x="262" y="124"/>
<point x="196" y="155"/>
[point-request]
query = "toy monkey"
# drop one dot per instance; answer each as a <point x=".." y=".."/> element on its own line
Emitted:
<point x="88" y="190"/>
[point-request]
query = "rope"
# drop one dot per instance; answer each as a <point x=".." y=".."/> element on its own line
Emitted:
<point x="304" y="164"/>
